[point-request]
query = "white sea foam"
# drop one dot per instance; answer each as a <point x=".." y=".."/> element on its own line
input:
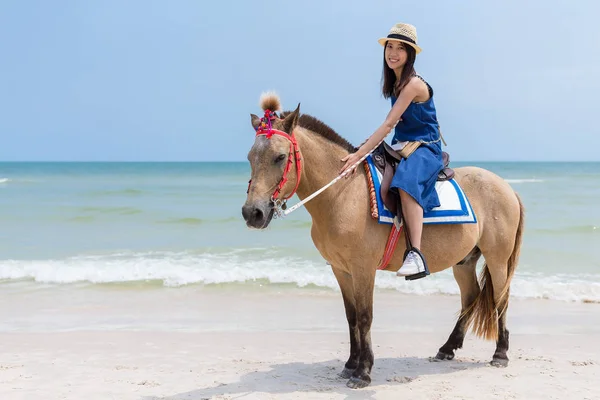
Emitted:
<point x="179" y="269"/>
<point x="4" y="180"/>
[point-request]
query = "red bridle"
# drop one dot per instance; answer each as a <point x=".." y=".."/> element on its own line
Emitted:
<point x="265" y="128"/>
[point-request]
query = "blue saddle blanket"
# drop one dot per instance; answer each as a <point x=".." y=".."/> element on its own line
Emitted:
<point x="454" y="205"/>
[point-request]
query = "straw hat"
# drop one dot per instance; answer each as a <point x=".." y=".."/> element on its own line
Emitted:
<point x="405" y="33"/>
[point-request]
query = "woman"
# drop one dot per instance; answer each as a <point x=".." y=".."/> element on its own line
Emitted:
<point x="414" y="118"/>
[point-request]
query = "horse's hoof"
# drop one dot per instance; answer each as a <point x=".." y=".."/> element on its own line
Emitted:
<point x="499" y="362"/>
<point x="357" y="383"/>
<point x="346" y="373"/>
<point x="442" y="357"/>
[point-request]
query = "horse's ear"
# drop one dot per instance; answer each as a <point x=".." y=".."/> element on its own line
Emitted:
<point x="290" y="121"/>
<point x="255" y="120"/>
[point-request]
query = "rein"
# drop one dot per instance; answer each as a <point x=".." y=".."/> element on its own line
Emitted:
<point x="318" y="192"/>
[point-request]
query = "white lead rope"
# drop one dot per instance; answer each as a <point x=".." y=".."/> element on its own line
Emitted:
<point x="315" y="194"/>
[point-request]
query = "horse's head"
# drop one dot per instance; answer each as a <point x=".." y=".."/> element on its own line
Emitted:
<point x="275" y="162"/>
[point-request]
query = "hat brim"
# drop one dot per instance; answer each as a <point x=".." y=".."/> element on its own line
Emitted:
<point x="382" y="42"/>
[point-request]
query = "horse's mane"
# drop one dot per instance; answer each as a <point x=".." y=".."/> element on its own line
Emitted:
<point x="270" y="101"/>
<point x="313" y="124"/>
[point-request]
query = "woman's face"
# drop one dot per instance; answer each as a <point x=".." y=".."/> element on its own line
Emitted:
<point x="395" y="54"/>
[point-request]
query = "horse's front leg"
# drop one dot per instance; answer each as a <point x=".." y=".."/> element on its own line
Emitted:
<point x="363" y="281"/>
<point x="344" y="280"/>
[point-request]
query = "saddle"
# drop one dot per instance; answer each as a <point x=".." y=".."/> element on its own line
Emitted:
<point x="386" y="159"/>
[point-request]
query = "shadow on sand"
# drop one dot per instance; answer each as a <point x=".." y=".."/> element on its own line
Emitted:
<point x="322" y="377"/>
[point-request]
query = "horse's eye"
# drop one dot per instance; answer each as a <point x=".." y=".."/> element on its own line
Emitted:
<point x="279" y="158"/>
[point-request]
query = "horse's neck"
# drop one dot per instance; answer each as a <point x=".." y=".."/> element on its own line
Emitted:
<point x="321" y="164"/>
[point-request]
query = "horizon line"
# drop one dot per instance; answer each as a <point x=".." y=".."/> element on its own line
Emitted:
<point x="244" y="161"/>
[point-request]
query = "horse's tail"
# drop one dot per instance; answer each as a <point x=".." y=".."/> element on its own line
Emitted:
<point x="483" y="314"/>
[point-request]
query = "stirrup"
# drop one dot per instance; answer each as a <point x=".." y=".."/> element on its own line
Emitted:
<point x="421" y="274"/>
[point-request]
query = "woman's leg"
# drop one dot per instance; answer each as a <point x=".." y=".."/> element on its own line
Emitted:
<point x="413" y="218"/>
<point x="414" y="266"/>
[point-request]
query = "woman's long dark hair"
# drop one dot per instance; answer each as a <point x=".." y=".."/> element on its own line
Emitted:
<point x="389" y="85"/>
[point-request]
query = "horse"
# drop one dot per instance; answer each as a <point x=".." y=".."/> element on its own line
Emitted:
<point x="298" y="153"/>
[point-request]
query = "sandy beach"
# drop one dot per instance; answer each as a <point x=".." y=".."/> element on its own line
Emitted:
<point x="197" y="343"/>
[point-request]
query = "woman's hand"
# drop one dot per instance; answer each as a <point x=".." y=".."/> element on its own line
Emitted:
<point x="350" y="159"/>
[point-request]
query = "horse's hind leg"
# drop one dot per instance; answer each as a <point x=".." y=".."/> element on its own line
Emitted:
<point x="499" y="280"/>
<point x="466" y="277"/>
<point x="500" y="358"/>
<point x="345" y="282"/>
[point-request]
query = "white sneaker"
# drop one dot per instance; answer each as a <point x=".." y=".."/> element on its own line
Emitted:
<point x="413" y="265"/>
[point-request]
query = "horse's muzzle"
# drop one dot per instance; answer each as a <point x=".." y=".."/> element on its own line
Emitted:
<point x="256" y="216"/>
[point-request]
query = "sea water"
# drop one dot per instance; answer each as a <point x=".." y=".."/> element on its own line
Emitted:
<point x="168" y="225"/>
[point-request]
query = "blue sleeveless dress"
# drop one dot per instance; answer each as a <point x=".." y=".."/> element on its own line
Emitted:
<point x="417" y="174"/>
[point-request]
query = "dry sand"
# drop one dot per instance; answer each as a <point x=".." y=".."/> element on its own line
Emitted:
<point x="197" y="343"/>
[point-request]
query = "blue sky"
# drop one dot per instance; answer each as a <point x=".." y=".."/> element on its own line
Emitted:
<point x="177" y="80"/>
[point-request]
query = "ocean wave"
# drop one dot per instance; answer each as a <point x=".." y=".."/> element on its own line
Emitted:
<point x="111" y="210"/>
<point x="121" y="192"/>
<point x="19" y="180"/>
<point x="267" y="267"/>
<point x="574" y="229"/>
<point x="183" y="221"/>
